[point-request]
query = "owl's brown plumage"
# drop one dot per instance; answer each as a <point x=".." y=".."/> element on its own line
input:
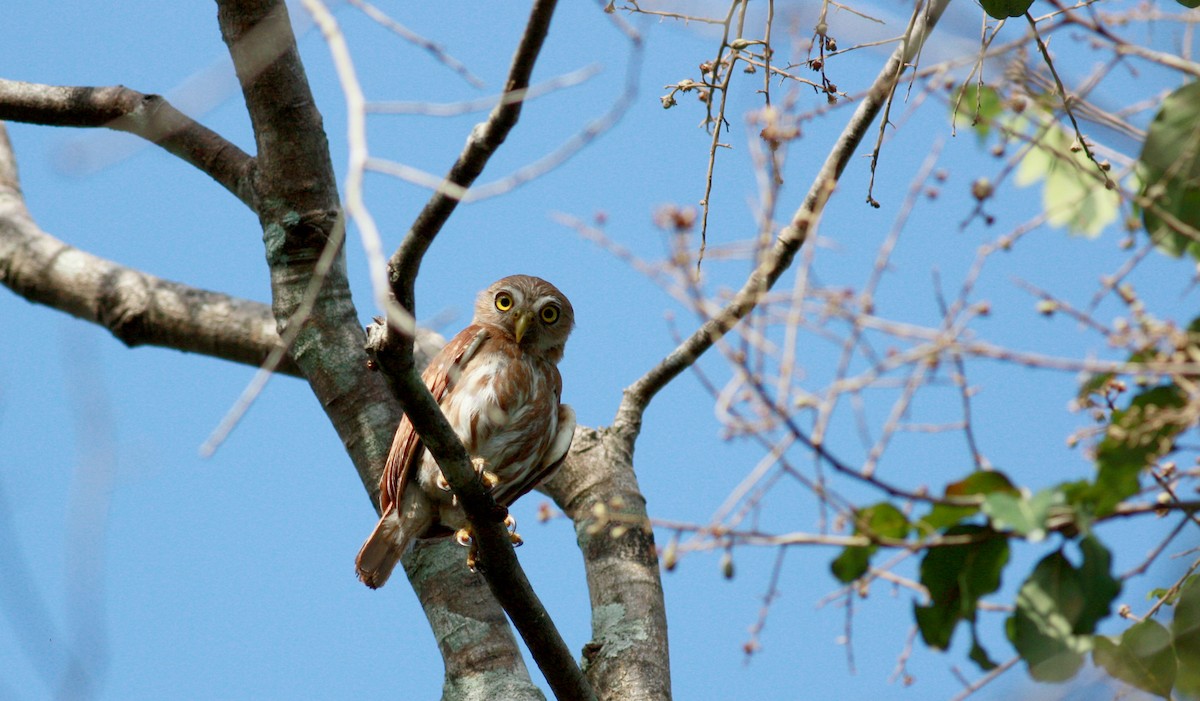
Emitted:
<point x="499" y="388"/>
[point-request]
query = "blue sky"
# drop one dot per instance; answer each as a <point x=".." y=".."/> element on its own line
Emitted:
<point x="231" y="577"/>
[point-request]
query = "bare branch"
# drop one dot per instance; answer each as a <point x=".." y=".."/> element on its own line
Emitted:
<point x="138" y="308"/>
<point x="778" y="259"/>
<point x="148" y="116"/>
<point x="485" y="138"/>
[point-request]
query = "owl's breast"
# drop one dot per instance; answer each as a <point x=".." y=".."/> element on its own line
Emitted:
<point x="504" y="407"/>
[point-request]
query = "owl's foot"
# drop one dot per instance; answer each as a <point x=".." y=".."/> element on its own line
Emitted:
<point x="511" y="524"/>
<point x="444" y="485"/>
<point x="488" y="478"/>
<point x="465" y="538"/>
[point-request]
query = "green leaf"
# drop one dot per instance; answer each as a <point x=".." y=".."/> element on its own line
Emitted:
<point x="1185" y="632"/>
<point x="1003" y="9"/>
<point x="978" y="655"/>
<point x="1094" y="384"/>
<point x="957" y="577"/>
<point x="1189" y="3"/>
<point x="1100" y="589"/>
<point x="852" y="563"/>
<point x="1143" y="657"/>
<point x="1058" y="608"/>
<point x="1169" y="168"/>
<point x="977" y="483"/>
<point x="1074" y="194"/>
<point x="1025" y="516"/>
<point x="1042" y="626"/>
<point x="881" y="520"/>
<point x="1136" y="437"/>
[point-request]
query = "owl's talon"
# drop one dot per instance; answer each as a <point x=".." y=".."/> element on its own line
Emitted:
<point x="511" y="524"/>
<point x="463" y="537"/>
<point x="487" y="477"/>
<point x="442" y="484"/>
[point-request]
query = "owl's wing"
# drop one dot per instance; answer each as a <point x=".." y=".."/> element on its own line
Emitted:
<point x="439" y="377"/>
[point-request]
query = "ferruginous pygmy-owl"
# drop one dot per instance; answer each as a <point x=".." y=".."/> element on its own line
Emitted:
<point x="499" y="387"/>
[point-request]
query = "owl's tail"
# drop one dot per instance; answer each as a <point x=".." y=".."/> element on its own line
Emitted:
<point x="381" y="552"/>
<point x="392" y="538"/>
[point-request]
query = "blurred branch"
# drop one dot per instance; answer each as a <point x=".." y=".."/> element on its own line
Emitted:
<point x="138" y="308"/>
<point x="148" y="116"/>
<point x="437" y="51"/>
<point x="638" y="395"/>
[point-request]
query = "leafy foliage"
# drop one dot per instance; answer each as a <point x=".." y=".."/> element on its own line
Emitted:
<point x="1058" y="608"/>
<point x="1157" y="659"/>
<point x="1136" y="436"/>
<point x="881" y="520"/>
<point x="956" y="577"/>
<point x="1075" y="194"/>
<point x="1141" y="657"/>
<point x="1003" y="9"/>
<point x="980" y="483"/>
<point x="1170" y="172"/>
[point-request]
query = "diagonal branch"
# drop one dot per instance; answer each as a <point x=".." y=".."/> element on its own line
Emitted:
<point x="139" y="309"/>
<point x="497" y="561"/>
<point x="148" y="116"/>
<point x="485" y="138"/>
<point x="638" y="395"/>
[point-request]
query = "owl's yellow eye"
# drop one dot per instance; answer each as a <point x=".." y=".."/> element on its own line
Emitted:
<point x="504" y="301"/>
<point x="550" y="314"/>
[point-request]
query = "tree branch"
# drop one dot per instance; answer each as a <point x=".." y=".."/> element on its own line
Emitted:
<point x="486" y="663"/>
<point x="148" y="116"/>
<point x="638" y="395"/>
<point x="485" y="138"/>
<point x="628" y="655"/>
<point x="139" y="309"/>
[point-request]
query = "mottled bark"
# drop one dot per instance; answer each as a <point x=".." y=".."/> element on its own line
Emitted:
<point x="628" y="656"/>
<point x="481" y="654"/>
<point x="300" y="214"/>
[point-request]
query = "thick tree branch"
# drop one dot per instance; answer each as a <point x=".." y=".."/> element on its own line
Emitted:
<point x="482" y="658"/>
<point x="148" y="116"/>
<point x="628" y="656"/>
<point x="779" y="258"/>
<point x="300" y="214"/>
<point x="139" y="309"/>
<point x="497" y="562"/>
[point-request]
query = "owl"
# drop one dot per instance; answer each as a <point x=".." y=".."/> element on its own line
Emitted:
<point x="498" y="384"/>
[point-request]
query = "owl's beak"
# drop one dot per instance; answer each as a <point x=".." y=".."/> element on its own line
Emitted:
<point x="524" y="319"/>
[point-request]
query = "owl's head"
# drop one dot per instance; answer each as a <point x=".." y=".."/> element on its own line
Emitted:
<point x="530" y="310"/>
